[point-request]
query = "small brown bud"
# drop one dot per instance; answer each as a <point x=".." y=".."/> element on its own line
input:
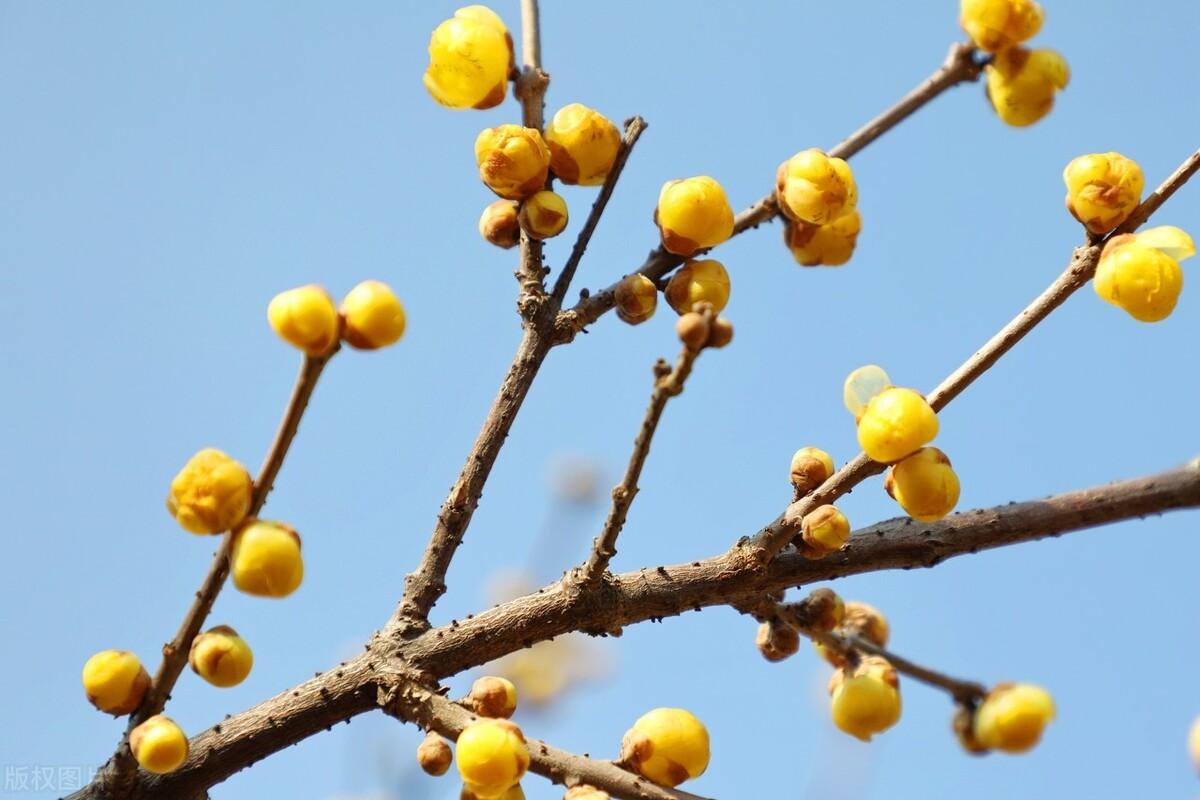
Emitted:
<point x="500" y="224"/>
<point x="721" y="333"/>
<point x="493" y="697"/>
<point x="693" y="330"/>
<point x="866" y="621"/>
<point x="636" y="297"/>
<point x="434" y="755"/>
<point x="826" y="609"/>
<point x="811" y="466"/>
<point x="777" y="640"/>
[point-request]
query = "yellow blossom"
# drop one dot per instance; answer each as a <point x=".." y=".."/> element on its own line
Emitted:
<point x="373" y="315"/>
<point x="1012" y="717"/>
<point x="1140" y="272"/>
<point x="693" y="214"/>
<point x="513" y="161"/>
<point x="266" y="559"/>
<point x="704" y="281"/>
<point x="1103" y="189"/>
<point x="896" y="423"/>
<point x="825" y="530"/>
<point x="305" y="318"/>
<point x="470" y="57"/>
<point x="115" y="681"/>
<point x="583" y="145"/>
<point x="221" y="657"/>
<point x="1021" y="84"/>
<point x="812" y="187"/>
<point x="996" y="25"/>
<point x="492" y="757"/>
<point x="159" y="745"/>
<point x="830" y="245"/>
<point x="544" y="215"/>
<point x="667" y="746"/>
<point x="211" y="493"/>
<point x="865" y="699"/>
<point x="924" y="484"/>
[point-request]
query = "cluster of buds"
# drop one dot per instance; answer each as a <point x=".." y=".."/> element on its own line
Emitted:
<point x="1103" y="189"/>
<point x="1011" y="719"/>
<point x="470" y="59"/>
<point x="370" y="317"/>
<point x="693" y="214"/>
<point x="818" y="198"/>
<point x="893" y="422"/>
<point x="492" y="757"/>
<point x="698" y="330"/>
<point x="1021" y="83"/>
<point x="1140" y="272"/>
<point x="667" y="746"/>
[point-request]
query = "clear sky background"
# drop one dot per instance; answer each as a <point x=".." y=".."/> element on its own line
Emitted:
<point x="166" y="168"/>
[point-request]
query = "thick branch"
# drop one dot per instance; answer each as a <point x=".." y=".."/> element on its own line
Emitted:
<point x="633" y="129"/>
<point x="1079" y="271"/>
<point x="433" y="712"/>
<point x="668" y="383"/>
<point x="960" y="66"/>
<point x="428" y="582"/>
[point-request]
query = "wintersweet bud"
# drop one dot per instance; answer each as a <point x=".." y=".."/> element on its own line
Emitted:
<point x="693" y="330"/>
<point x="115" y="681"/>
<point x="544" y="215"/>
<point x="500" y="225"/>
<point x="513" y="161"/>
<point x="720" y="333"/>
<point x="825" y="530"/>
<point x="865" y="698"/>
<point x="811" y="466"/>
<point x="693" y="214"/>
<point x="1140" y="272"/>
<point x="667" y="745"/>
<point x="266" y="559"/>
<point x="703" y="281"/>
<point x="470" y="58"/>
<point x="493" y="697"/>
<point x="777" y="640"/>
<point x="812" y="187"/>
<point x="373" y="316"/>
<point x="583" y="145"/>
<point x="636" y="298"/>
<point x="896" y="423"/>
<point x="1021" y="84"/>
<point x="828" y="245"/>
<point x="305" y="318"/>
<point x="1103" y="189"/>
<point x="1012" y="717"/>
<point x="492" y="757"/>
<point x="159" y="745"/>
<point x="211" y="493"/>
<point x="434" y="755"/>
<point x="996" y="25"/>
<point x="221" y="657"/>
<point x="924" y="484"/>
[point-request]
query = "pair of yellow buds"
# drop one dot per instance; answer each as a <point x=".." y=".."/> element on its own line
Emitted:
<point x="370" y="317"/>
<point x="818" y="197"/>
<point x="1021" y="83"/>
<point x="695" y="284"/>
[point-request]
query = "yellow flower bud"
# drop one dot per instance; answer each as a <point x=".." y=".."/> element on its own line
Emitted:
<point x="434" y="755"/>
<point x="812" y="187"/>
<point x="811" y="466"/>
<point x="585" y="792"/>
<point x="924" y="484"/>
<point x="1137" y="272"/>
<point x="896" y="423"/>
<point x="583" y="145"/>
<point x="266" y="559"/>
<point x="211" y="493"/>
<point x="1012" y="717"/>
<point x="865" y="699"/>
<point x="513" y="161"/>
<point x="829" y="245"/>
<point x="493" y="697"/>
<point x="492" y="757"/>
<point x="776" y="640"/>
<point x="1021" y="84"/>
<point x="704" y="281"/>
<point x="693" y="214"/>
<point x="305" y="318"/>
<point x="115" y="681"/>
<point x="373" y="315"/>
<point x="514" y="793"/>
<point x="996" y="25"/>
<point x="825" y="530"/>
<point x="720" y="333"/>
<point x="667" y="746"/>
<point x="499" y="224"/>
<point x="1103" y="189"/>
<point x="693" y="330"/>
<point x="1194" y="743"/>
<point x="861" y="386"/>
<point x="159" y="745"/>
<point x="544" y="215"/>
<point x="636" y="297"/>
<point x="470" y="57"/>
<point x="221" y="657"/>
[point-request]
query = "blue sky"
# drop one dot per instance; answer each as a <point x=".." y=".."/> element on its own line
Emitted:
<point x="167" y="168"/>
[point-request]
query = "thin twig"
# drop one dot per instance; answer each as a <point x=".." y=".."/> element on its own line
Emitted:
<point x="732" y="578"/>
<point x="175" y="652"/>
<point x="1078" y="272"/>
<point x="960" y="66"/>
<point x="633" y="129"/>
<point x="668" y="382"/>
<point x="530" y="89"/>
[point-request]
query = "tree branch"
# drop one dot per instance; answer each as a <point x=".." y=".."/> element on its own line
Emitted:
<point x="530" y="89"/>
<point x="431" y="711"/>
<point x="960" y="66"/>
<point x="668" y="383"/>
<point x="1079" y="271"/>
<point x="633" y="129"/>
